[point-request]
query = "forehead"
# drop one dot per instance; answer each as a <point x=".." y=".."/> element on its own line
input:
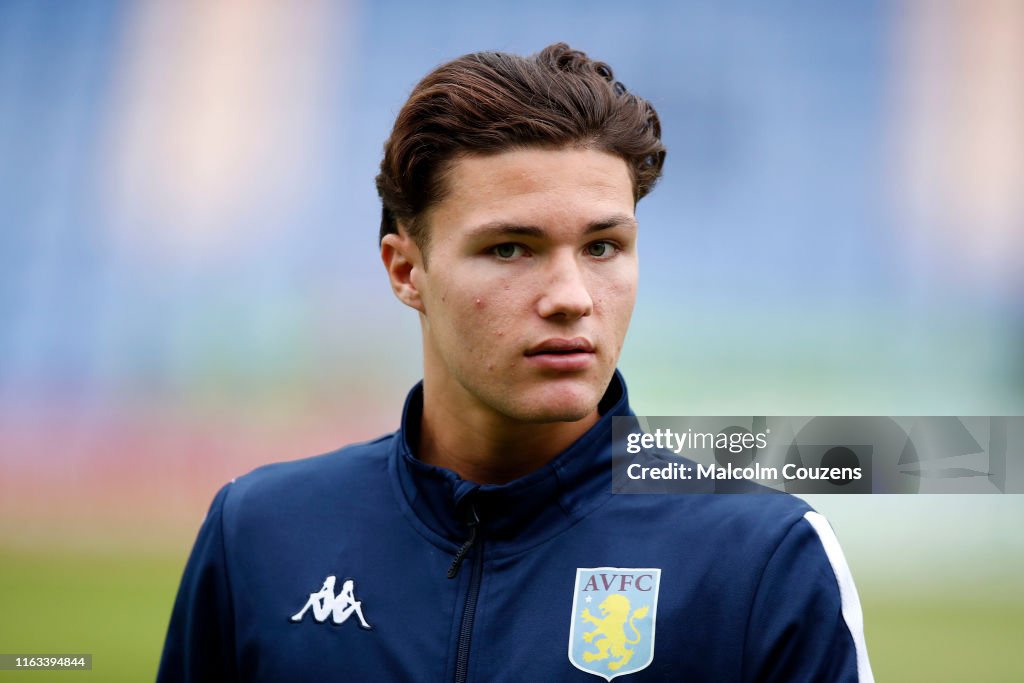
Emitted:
<point x="548" y="187"/>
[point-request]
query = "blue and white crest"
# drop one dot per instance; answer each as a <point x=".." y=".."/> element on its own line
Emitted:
<point x="614" y="612"/>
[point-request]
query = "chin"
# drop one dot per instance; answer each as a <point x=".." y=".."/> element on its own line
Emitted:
<point x="543" y="414"/>
<point x="560" y="404"/>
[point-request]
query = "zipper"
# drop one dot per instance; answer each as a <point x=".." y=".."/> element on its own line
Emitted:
<point x="469" y="609"/>
<point x="472" y="521"/>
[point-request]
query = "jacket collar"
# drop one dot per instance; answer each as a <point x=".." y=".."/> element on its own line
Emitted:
<point x="520" y="513"/>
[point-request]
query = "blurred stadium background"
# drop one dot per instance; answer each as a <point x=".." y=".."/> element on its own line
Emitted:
<point x="190" y="286"/>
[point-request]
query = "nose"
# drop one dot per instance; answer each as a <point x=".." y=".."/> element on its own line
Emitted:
<point x="565" y="293"/>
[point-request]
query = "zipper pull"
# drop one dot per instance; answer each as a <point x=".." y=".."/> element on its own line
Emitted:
<point x="472" y="521"/>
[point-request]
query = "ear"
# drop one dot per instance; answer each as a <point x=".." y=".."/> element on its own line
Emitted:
<point x="403" y="261"/>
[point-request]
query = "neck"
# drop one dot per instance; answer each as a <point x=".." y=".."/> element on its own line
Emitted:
<point x="486" y="448"/>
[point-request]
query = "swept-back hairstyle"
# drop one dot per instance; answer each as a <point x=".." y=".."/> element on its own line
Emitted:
<point x="489" y="102"/>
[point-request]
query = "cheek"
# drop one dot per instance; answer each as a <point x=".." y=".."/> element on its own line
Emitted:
<point x="615" y="299"/>
<point x="481" y="311"/>
<point x="488" y="318"/>
<point x="470" y="314"/>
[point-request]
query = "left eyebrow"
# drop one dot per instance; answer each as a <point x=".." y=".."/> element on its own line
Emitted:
<point x="616" y="221"/>
<point x="503" y="228"/>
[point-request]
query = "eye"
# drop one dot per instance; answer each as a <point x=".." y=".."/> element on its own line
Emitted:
<point x="601" y="249"/>
<point x="508" y="251"/>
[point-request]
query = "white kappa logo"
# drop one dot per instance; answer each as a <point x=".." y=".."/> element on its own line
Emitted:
<point x="341" y="606"/>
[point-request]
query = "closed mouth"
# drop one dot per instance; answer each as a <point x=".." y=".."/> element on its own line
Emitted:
<point x="562" y="347"/>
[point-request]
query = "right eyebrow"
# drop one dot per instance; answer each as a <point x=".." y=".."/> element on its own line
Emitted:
<point x="502" y="228"/>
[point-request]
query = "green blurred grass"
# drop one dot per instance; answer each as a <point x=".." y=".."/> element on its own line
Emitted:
<point x="116" y="607"/>
<point x="945" y="638"/>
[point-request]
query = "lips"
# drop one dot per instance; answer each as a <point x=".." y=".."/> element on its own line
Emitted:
<point x="562" y="355"/>
<point x="561" y="347"/>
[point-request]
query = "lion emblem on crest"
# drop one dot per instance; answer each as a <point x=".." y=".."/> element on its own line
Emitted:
<point x="609" y="634"/>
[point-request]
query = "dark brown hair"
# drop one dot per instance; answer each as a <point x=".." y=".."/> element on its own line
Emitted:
<point x="489" y="102"/>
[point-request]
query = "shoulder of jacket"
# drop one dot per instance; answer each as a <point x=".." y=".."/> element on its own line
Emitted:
<point x="745" y="520"/>
<point x="269" y="484"/>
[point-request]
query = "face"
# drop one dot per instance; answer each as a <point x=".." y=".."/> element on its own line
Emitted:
<point x="529" y="285"/>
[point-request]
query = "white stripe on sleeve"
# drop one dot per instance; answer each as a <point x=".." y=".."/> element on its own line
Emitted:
<point x="848" y="597"/>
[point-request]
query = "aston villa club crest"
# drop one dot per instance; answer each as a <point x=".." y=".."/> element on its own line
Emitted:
<point x="614" y="612"/>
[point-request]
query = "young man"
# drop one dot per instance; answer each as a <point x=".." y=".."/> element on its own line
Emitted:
<point x="482" y="541"/>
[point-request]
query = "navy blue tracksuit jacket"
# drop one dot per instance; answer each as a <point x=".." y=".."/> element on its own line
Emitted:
<point x="366" y="564"/>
